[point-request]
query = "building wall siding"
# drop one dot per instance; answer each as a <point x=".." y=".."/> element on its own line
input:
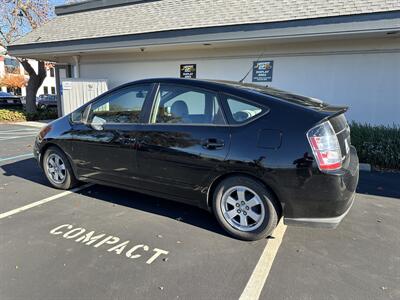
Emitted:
<point x="367" y="81"/>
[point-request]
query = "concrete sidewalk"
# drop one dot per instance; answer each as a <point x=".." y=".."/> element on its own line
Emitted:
<point x="37" y="124"/>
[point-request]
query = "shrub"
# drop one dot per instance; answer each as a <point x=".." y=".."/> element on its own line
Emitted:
<point x="9" y="115"/>
<point x="15" y="115"/>
<point x="377" y="145"/>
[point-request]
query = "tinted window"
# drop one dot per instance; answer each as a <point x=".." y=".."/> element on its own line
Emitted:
<point x="77" y="115"/>
<point x="183" y="105"/>
<point x="242" y="111"/>
<point x="123" y="106"/>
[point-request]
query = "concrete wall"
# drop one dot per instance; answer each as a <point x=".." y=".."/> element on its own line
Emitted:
<point x="364" y="75"/>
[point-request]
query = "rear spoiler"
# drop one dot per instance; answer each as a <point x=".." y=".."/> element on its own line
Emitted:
<point x="331" y="111"/>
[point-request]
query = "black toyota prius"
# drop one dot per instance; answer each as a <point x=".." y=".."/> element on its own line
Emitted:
<point x="249" y="154"/>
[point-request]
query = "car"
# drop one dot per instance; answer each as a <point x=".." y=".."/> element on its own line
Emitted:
<point x="46" y="101"/>
<point x="249" y="154"/>
<point x="8" y="100"/>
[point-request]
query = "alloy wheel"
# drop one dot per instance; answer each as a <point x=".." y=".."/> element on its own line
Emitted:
<point x="242" y="208"/>
<point x="55" y="167"/>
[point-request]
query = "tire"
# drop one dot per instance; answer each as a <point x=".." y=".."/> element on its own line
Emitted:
<point x="240" y="200"/>
<point x="67" y="180"/>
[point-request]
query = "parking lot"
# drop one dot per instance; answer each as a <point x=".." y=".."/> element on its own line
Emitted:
<point x="98" y="242"/>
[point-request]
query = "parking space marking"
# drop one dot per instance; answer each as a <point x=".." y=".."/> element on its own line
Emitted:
<point x="260" y="273"/>
<point x="86" y="237"/>
<point x="17" y="130"/>
<point x="16" y="157"/>
<point x="16" y="137"/>
<point x="43" y="201"/>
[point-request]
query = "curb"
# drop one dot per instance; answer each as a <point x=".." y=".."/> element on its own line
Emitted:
<point x="365" y="167"/>
<point x="37" y="124"/>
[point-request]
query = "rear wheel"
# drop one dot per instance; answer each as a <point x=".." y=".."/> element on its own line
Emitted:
<point x="245" y="208"/>
<point x="58" y="169"/>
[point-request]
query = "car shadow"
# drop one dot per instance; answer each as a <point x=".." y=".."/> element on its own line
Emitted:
<point x="174" y="210"/>
<point x="29" y="170"/>
<point x="385" y="184"/>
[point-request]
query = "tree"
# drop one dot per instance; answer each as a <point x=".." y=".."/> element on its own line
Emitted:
<point x="13" y="81"/>
<point x="18" y="17"/>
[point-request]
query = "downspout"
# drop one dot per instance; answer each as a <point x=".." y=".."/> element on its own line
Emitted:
<point x="76" y="59"/>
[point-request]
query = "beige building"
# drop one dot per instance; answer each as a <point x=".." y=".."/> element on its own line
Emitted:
<point x="343" y="52"/>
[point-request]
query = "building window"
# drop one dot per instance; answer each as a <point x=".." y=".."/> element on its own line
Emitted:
<point x="53" y="90"/>
<point x="45" y="90"/>
<point x="51" y="72"/>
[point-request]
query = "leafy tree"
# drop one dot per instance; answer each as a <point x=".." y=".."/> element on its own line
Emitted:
<point x="13" y="81"/>
<point x="18" y="17"/>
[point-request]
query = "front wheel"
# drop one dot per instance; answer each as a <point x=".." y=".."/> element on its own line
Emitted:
<point x="245" y="208"/>
<point x="58" y="169"/>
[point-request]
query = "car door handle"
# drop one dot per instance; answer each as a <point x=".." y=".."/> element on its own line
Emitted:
<point x="213" y="144"/>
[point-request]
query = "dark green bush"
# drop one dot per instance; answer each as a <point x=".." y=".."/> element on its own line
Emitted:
<point x="46" y="114"/>
<point x="16" y="115"/>
<point x="377" y="145"/>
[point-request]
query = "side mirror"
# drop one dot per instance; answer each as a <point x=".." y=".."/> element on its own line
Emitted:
<point x="97" y="123"/>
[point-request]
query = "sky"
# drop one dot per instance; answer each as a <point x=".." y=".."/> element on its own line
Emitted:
<point x="57" y="2"/>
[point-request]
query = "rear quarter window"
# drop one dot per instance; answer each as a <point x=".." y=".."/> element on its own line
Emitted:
<point x="242" y="111"/>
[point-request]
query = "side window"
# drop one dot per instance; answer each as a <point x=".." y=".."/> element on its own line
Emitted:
<point x="241" y="111"/>
<point x="123" y="106"/>
<point x="184" y="105"/>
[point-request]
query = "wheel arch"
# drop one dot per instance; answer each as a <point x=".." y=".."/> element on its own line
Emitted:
<point x="219" y="179"/>
<point x="54" y="145"/>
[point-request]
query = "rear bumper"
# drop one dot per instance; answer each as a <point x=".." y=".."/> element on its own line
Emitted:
<point x="323" y="199"/>
<point x="331" y="222"/>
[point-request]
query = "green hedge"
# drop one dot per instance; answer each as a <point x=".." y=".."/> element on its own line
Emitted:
<point x="14" y="115"/>
<point x="377" y="145"/>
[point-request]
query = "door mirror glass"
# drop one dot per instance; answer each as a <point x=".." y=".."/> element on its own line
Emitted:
<point x="123" y="106"/>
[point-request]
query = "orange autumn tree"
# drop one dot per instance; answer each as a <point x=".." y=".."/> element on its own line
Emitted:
<point x="13" y="81"/>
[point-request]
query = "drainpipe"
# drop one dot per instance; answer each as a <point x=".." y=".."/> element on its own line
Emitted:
<point x="76" y="59"/>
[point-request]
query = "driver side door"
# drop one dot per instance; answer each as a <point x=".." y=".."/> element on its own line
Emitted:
<point x="103" y="147"/>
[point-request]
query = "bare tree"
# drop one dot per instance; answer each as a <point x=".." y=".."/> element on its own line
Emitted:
<point x="17" y="18"/>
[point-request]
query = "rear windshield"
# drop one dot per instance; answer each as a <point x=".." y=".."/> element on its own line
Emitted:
<point x="294" y="98"/>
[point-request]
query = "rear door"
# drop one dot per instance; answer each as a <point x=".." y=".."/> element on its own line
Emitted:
<point x="186" y="139"/>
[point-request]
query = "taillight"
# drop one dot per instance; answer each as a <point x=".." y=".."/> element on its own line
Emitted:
<point x="325" y="146"/>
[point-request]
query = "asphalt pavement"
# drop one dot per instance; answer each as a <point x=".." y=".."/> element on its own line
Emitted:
<point x="107" y="243"/>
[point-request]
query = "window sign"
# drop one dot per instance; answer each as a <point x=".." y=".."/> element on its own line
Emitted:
<point x="188" y="71"/>
<point x="262" y="71"/>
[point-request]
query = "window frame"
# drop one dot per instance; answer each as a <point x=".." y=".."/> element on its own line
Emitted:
<point x="149" y="97"/>
<point x="154" y="106"/>
<point x="231" y="121"/>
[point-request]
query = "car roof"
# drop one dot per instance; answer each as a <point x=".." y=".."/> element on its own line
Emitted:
<point x="5" y="94"/>
<point x="247" y="88"/>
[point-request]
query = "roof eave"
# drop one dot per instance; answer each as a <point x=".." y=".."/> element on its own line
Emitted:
<point x="321" y="27"/>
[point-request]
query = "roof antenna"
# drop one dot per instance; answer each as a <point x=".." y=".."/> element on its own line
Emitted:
<point x="251" y="68"/>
